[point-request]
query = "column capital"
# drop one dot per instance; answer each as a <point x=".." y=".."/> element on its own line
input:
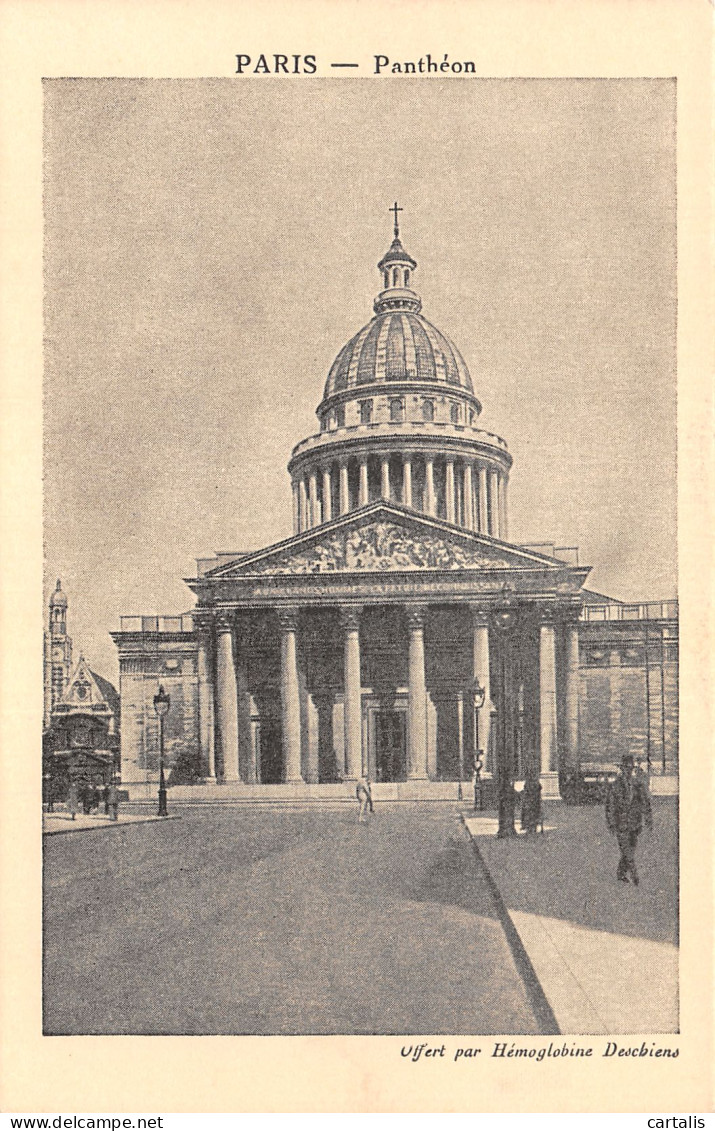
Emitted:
<point x="569" y="615"/>
<point x="288" y="618"/>
<point x="480" y="613"/>
<point x="224" y="622"/>
<point x="415" y="616"/>
<point x="350" y="617"/>
<point x="203" y="622"/>
<point x="548" y="615"/>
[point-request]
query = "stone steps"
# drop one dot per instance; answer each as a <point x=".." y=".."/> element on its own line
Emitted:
<point x="342" y="793"/>
<point x="292" y="793"/>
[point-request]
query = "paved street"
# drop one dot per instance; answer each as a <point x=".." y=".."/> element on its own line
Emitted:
<point x="236" y="921"/>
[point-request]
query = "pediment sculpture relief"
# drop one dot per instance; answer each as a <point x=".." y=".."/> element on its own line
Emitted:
<point x="380" y="546"/>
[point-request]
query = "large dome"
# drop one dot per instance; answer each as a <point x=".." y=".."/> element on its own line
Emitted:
<point x="398" y="421"/>
<point x="398" y="346"/>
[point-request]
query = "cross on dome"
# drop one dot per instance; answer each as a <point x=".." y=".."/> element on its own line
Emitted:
<point x="397" y="267"/>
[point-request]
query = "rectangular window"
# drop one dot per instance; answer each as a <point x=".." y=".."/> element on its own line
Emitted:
<point x="365" y="412"/>
<point x="340" y="416"/>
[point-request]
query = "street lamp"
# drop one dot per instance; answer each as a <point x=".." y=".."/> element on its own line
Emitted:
<point x="460" y="733"/>
<point x="478" y="695"/>
<point x="161" y="706"/>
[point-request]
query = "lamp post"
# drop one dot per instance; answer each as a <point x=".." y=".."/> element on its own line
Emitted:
<point x="460" y="738"/>
<point x="478" y="696"/>
<point x="161" y="706"/>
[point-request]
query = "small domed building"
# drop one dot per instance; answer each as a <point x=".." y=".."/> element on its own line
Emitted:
<point x="398" y="630"/>
<point x="80" y="736"/>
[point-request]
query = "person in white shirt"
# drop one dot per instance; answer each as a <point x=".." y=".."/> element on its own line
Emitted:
<point x="364" y="796"/>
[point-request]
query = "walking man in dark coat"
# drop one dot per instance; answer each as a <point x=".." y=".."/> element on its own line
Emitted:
<point x="627" y="810"/>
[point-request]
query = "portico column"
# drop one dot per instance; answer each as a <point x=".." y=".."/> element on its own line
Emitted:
<point x="385" y="477"/>
<point x="327" y="495"/>
<point x="407" y="482"/>
<point x="308" y="728"/>
<point x="246" y="748"/>
<point x="547" y="692"/>
<point x="227" y="698"/>
<point x="352" y="693"/>
<point x="206" y="714"/>
<point x="480" y="672"/>
<point x="429" y="485"/>
<point x="290" y="695"/>
<point x="417" y="697"/>
<point x="468" y="497"/>
<point x="344" y="489"/>
<point x="571" y="695"/>
<point x="460" y="740"/>
<point x="503" y="526"/>
<point x="313" y="490"/>
<point x="303" y="505"/>
<point x="449" y="489"/>
<point x="296" y="509"/>
<point x="363" y="494"/>
<point x="483" y="525"/>
<point x="494" y="499"/>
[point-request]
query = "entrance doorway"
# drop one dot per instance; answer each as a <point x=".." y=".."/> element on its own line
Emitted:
<point x="390" y="745"/>
<point x="269" y="751"/>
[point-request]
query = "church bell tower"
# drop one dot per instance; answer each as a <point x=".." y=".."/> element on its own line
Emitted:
<point x="58" y="653"/>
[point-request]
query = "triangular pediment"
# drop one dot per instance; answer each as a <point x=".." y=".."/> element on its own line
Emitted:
<point x="384" y="537"/>
<point x="83" y="691"/>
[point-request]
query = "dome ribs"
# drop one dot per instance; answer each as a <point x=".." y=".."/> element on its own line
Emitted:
<point x="357" y="344"/>
<point x="381" y="353"/>
<point x="397" y="346"/>
<point x="463" y="378"/>
<point x="366" y="370"/>
<point x="410" y="349"/>
<point x="337" y="378"/>
<point x="395" y="352"/>
<point x="424" y="351"/>
<point x="452" y="369"/>
<point x="436" y="339"/>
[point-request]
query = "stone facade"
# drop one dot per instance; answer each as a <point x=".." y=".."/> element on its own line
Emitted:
<point x="357" y="645"/>
<point x="158" y="651"/>
<point x="629" y="688"/>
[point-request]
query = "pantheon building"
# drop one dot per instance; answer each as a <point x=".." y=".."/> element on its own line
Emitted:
<point x="398" y="628"/>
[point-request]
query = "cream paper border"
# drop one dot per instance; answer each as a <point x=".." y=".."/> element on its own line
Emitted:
<point x="546" y="38"/>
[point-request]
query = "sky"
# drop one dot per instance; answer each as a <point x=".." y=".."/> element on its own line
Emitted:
<point x="211" y="245"/>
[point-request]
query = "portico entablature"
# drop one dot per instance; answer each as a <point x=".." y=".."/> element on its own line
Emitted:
<point x="377" y="589"/>
<point x="385" y="553"/>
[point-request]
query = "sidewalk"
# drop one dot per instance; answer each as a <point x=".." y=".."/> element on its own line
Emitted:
<point x="604" y="953"/>
<point x="61" y="821"/>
